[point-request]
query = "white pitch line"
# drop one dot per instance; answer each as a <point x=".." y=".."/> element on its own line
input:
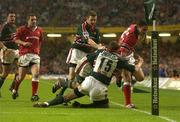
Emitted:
<point x="162" y="117"/>
<point x="115" y="103"/>
<point x="41" y="113"/>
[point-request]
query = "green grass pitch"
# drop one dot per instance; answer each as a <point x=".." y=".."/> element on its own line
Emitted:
<point x="21" y="110"/>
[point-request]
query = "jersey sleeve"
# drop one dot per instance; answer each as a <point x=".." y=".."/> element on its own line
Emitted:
<point x="82" y="35"/>
<point x="41" y="39"/>
<point x="123" y="64"/>
<point x="42" y="35"/>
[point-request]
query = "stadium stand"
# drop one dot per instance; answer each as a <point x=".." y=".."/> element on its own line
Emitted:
<point x="111" y="13"/>
<point x="70" y="13"/>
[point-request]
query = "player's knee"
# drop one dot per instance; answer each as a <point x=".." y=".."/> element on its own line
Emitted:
<point x="71" y="75"/>
<point x="140" y="78"/>
<point x="127" y="83"/>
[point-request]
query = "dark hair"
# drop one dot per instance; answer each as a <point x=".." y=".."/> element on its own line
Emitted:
<point x="91" y="13"/>
<point x="30" y="15"/>
<point x="142" y="23"/>
<point x="11" y="12"/>
<point x="113" y="46"/>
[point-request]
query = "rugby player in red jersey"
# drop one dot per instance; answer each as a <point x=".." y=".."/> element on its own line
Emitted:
<point x="127" y="42"/>
<point x="29" y="38"/>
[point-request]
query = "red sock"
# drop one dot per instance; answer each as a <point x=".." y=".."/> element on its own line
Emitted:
<point x="16" y="86"/>
<point x="34" y="87"/>
<point x="127" y="94"/>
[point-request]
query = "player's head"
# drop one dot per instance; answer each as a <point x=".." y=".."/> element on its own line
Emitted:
<point x="11" y="17"/>
<point x="32" y="20"/>
<point x="91" y="18"/>
<point x="142" y="26"/>
<point x="113" y="46"/>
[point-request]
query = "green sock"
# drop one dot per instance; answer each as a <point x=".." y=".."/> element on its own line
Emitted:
<point x="58" y="100"/>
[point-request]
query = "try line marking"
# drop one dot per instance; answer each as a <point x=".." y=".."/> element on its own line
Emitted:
<point x="162" y="117"/>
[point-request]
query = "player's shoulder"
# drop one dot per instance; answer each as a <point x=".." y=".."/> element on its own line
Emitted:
<point x="132" y="26"/>
<point x="96" y="29"/>
<point x="82" y="24"/>
<point x="21" y="28"/>
<point x="40" y="28"/>
<point x="4" y="25"/>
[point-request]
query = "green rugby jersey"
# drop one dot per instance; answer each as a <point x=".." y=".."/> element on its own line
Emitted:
<point x="105" y="63"/>
<point x="85" y="31"/>
<point x="7" y="35"/>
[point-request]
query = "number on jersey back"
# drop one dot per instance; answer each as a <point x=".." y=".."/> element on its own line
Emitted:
<point x="106" y="63"/>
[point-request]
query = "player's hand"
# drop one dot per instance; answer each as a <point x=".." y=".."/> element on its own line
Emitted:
<point x="92" y="43"/>
<point x="27" y="44"/>
<point x="100" y="46"/>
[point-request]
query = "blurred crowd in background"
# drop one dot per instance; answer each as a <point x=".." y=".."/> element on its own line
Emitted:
<point x="71" y="12"/>
<point x="111" y="13"/>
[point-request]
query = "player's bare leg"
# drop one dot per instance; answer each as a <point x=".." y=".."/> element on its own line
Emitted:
<point x="35" y="81"/>
<point x="127" y="89"/>
<point x="22" y="73"/>
<point x="7" y="58"/>
<point x="71" y="75"/>
<point x="5" y="71"/>
<point x="5" y="65"/>
<point x="15" y="76"/>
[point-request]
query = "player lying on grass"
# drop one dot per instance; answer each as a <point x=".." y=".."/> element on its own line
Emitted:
<point x="95" y="85"/>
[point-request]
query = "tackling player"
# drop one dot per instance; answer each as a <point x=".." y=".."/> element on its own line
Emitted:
<point x="96" y="85"/>
<point x="87" y="38"/>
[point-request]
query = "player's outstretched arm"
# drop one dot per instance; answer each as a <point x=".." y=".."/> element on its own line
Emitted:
<point x="94" y="44"/>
